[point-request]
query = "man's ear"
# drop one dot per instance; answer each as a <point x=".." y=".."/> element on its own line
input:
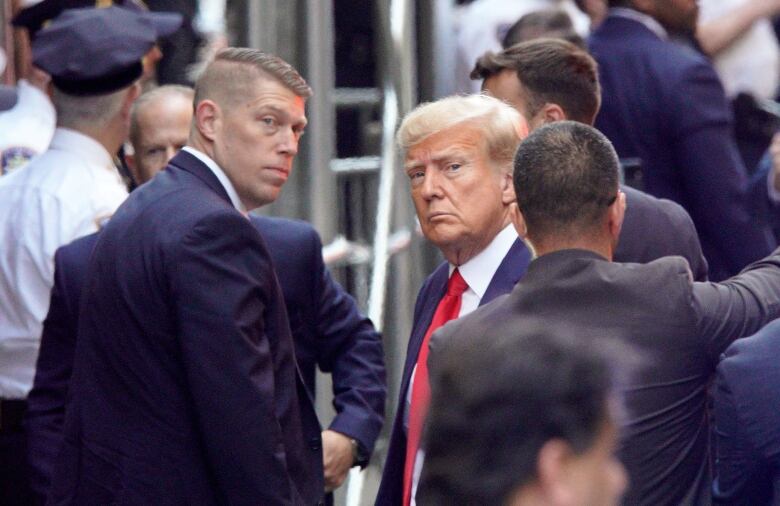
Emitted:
<point x="616" y="214"/>
<point x="507" y="189"/>
<point x="551" y="466"/>
<point x="552" y="113"/>
<point x="130" y="96"/>
<point x="518" y="221"/>
<point x="207" y="117"/>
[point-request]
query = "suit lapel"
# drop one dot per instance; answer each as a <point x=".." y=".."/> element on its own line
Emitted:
<point x="431" y="298"/>
<point x="509" y="272"/>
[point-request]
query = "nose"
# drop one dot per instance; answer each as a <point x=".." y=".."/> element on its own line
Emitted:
<point x="430" y="187"/>
<point x="288" y="143"/>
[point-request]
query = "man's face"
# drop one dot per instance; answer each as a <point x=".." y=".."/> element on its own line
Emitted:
<point x="507" y="87"/>
<point x="459" y="193"/>
<point x="163" y="128"/>
<point x="256" y="140"/>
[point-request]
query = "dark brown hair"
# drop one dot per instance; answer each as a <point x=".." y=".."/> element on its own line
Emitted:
<point x="552" y="71"/>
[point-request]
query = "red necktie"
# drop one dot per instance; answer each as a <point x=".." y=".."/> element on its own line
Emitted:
<point x="448" y="309"/>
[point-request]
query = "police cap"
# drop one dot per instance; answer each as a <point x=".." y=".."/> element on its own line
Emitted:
<point x="37" y="16"/>
<point x="94" y="51"/>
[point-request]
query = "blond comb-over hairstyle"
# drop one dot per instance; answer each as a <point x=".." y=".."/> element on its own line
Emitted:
<point x="502" y="126"/>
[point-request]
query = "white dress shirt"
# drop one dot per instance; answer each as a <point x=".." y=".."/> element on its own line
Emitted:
<point x="61" y="195"/>
<point x="478" y="272"/>
<point x="223" y="179"/>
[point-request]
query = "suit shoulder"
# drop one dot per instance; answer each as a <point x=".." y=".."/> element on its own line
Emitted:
<point x="77" y="251"/>
<point x="664" y="266"/>
<point x="667" y="209"/>
<point x="284" y="228"/>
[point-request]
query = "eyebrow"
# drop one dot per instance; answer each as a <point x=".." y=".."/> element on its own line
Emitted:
<point x="282" y="112"/>
<point x="444" y="155"/>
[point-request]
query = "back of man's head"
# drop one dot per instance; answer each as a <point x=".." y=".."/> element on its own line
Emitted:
<point x="553" y="23"/>
<point x="566" y="177"/>
<point x="551" y="71"/>
<point x="496" y="417"/>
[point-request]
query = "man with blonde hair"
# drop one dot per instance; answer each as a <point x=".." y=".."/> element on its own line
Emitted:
<point x="185" y="388"/>
<point x="458" y="155"/>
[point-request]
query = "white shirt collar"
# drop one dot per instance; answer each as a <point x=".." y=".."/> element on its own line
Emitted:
<point x="88" y="149"/>
<point x="650" y="22"/>
<point x="223" y="179"/>
<point x="479" y="271"/>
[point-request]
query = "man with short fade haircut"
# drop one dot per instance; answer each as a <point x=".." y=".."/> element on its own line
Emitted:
<point x="185" y="388"/>
<point x="527" y="420"/>
<point x="458" y="157"/>
<point x="94" y="59"/>
<point x="328" y="329"/>
<point x="664" y="104"/>
<point x="550" y="80"/>
<point x="566" y="180"/>
<point x="159" y="124"/>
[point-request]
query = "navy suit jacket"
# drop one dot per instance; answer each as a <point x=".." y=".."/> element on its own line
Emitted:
<point x="655" y="228"/>
<point x="509" y="272"/>
<point x="747" y="393"/>
<point x="663" y="103"/>
<point x="327" y="327"/>
<point x="184" y="385"/>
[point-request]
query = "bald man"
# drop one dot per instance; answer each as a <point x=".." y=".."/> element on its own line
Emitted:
<point x="159" y="126"/>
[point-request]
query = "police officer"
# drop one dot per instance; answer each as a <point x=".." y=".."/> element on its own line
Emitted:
<point x="94" y="58"/>
<point x="26" y="129"/>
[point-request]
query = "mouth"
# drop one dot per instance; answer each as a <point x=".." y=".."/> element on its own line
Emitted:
<point x="438" y="215"/>
<point x="279" y="171"/>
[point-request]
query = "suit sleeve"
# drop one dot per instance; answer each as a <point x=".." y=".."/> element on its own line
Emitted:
<point x="736" y="458"/>
<point x="351" y="349"/>
<point x="46" y="401"/>
<point x="739" y="306"/>
<point x="223" y="283"/>
<point x="712" y="169"/>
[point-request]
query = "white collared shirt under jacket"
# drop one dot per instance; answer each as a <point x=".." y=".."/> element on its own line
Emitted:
<point x="61" y="195"/>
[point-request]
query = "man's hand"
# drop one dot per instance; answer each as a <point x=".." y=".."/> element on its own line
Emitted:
<point x="336" y="458"/>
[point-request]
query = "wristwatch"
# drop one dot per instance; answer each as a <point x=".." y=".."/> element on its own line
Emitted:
<point x="359" y="454"/>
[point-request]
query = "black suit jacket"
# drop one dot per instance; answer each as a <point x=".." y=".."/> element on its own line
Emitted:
<point x="327" y="327"/>
<point x="185" y="388"/>
<point x="678" y="326"/>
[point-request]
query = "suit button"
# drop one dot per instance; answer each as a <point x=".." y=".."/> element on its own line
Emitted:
<point x="315" y="443"/>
